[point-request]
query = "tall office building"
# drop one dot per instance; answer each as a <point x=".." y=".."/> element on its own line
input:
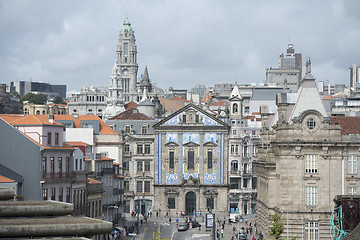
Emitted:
<point x="289" y="72"/>
<point x="354" y="78"/>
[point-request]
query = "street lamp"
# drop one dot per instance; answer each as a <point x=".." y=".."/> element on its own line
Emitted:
<point x="107" y="211"/>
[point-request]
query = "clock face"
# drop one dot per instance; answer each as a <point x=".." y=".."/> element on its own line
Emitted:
<point x="125" y="72"/>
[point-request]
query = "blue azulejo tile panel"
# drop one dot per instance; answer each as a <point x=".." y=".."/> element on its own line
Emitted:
<point x="159" y="146"/>
<point x="171" y="137"/>
<point x="221" y="172"/>
<point x="174" y="121"/>
<point x="210" y="178"/>
<point x="191" y="137"/>
<point x="210" y="137"/>
<point x="222" y="147"/>
<point x="159" y="171"/>
<point x="171" y="178"/>
<point x="209" y="122"/>
<point x="187" y="175"/>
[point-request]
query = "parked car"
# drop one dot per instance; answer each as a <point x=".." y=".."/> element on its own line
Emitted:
<point x="195" y="224"/>
<point x="183" y="226"/>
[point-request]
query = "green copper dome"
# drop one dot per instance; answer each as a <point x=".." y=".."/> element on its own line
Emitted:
<point x="127" y="26"/>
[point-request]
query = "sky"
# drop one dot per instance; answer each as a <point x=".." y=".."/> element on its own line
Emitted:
<point x="183" y="43"/>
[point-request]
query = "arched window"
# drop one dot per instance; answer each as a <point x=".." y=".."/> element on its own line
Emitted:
<point x="245" y="148"/>
<point x="235" y="108"/>
<point x="38" y="112"/>
<point x="26" y="111"/>
<point x="234" y="166"/>
<point x="43" y="112"/>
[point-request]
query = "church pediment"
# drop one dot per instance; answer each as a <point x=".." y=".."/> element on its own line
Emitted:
<point x="191" y="144"/>
<point x="191" y="115"/>
<point x="171" y="144"/>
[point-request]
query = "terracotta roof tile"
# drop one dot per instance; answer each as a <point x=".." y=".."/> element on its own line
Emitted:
<point x="31" y="119"/>
<point x="170" y="105"/>
<point x="92" y="181"/>
<point x="219" y="103"/>
<point x="78" y="143"/>
<point x="104" y="128"/>
<point x="130" y="105"/>
<point x="118" y="176"/>
<point x="105" y="158"/>
<point x="4" y="179"/>
<point x="131" y="114"/>
<point x="179" y="100"/>
<point x="349" y="125"/>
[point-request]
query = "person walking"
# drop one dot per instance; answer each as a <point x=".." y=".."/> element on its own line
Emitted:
<point x="222" y="233"/>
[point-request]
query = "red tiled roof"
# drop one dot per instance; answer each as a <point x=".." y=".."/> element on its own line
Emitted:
<point x="92" y="181"/>
<point x="349" y="125"/>
<point x="179" y="99"/>
<point x="87" y="159"/>
<point x="130" y="114"/>
<point x="118" y="176"/>
<point x="115" y="163"/>
<point x="130" y="105"/>
<point x="105" y="158"/>
<point x="104" y="128"/>
<point x="78" y="143"/>
<point x="219" y="103"/>
<point x="4" y="179"/>
<point x="170" y="105"/>
<point x="29" y="119"/>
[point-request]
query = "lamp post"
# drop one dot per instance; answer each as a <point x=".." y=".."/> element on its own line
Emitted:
<point x="107" y="211"/>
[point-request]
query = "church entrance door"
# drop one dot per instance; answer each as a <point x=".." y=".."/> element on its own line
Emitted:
<point x="190" y="203"/>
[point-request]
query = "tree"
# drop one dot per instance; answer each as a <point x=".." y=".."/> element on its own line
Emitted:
<point x="34" y="98"/>
<point x="58" y="100"/>
<point x="15" y="94"/>
<point x="277" y="228"/>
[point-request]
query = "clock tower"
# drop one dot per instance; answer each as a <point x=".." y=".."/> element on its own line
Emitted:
<point x="123" y="79"/>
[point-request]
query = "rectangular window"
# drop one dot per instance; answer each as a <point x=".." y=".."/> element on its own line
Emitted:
<point x="352" y="164"/>
<point x="311" y="163"/>
<point x="139" y="149"/>
<point x="236" y="149"/>
<point x="147" y="166"/>
<point x="127" y="148"/>
<point x="232" y="149"/>
<point x="56" y="138"/>
<point x="210" y="159"/>
<point x="210" y="203"/>
<point x="245" y="182"/>
<point x="139" y="166"/>
<point x="60" y="165"/>
<point x="234" y="183"/>
<point x="126" y="48"/>
<point x="144" y="129"/>
<point x="171" y="159"/>
<point x="43" y="165"/>
<point x="139" y="186"/>
<point x="49" y="138"/>
<point x="68" y="194"/>
<point x="127" y="129"/>
<point x="184" y="118"/>
<point x="147" y="186"/>
<point x="311" y="231"/>
<point x="191" y="160"/>
<point x="76" y="164"/>
<point x="126" y="185"/>
<point x="45" y="194"/>
<point x="147" y="148"/>
<point x="196" y="118"/>
<point x="126" y="166"/>
<point x="52" y="165"/>
<point x="352" y="191"/>
<point x="311" y="196"/>
<point x="127" y="206"/>
<point x="53" y="194"/>
<point x="171" y="203"/>
<point x="61" y="194"/>
<point x="67" y="165"/>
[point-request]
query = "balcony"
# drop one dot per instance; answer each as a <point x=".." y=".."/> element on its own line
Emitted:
<point x="235" y="172"/>
<point x="58" y="176"/>
<point x="108" y="170"/>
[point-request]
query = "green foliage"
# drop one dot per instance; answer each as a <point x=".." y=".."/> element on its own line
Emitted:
<point x="34" y="98"/>
<point x="58" y="100"/>
<point x="15" y="94"/>
<point x="277" y="228"/>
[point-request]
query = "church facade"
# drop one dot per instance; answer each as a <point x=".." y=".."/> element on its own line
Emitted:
<point x="191" y="163"/>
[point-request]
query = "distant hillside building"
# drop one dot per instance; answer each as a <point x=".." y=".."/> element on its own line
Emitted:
<point x="290" y="69"/>
<point x="51" y="91"/>
<point x="9" y="104"/>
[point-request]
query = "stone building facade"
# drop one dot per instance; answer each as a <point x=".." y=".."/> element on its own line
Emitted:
<point x="191" y="163"/>
<point x="304" y="161"/>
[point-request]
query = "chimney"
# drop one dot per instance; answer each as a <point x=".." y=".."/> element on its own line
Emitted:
<point x="51" y="118"/>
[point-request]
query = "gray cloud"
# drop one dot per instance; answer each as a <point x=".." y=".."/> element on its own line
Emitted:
<point x="182" y="42"/>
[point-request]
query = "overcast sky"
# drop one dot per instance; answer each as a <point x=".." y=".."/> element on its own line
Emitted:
<point x="183" y="43"/>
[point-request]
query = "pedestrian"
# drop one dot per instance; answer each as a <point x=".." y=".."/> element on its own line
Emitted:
<point x="246" y="222"/>
<point x="253" y="238"/>
<point x="222" y="233"/>
<point x="217" y="233"/>
<point x="232" y="238"/>
<point x="166" y="214"/>
<point x="261" y="236"/>
<point x="157" y="214"/>
<point x="170" y="220"/>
